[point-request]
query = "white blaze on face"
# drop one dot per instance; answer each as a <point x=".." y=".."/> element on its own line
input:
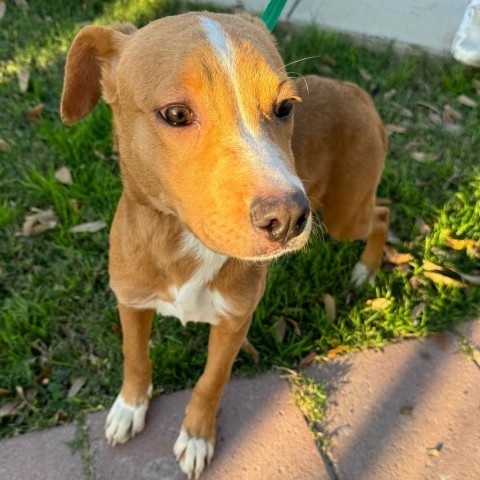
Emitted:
<point x="263" y="152"/>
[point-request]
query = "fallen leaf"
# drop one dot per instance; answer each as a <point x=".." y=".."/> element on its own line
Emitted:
<point x="99" y="154"/>
<point x="337" y="351"/>
<point x="423" y="157"/>
<point x="4" y="392"/>
<point x="394" y="257"/>
<point x="431" y="267"/>
<point x="422" y="226"/>
<point x="456" y="244"/>
<point x="325" y="69"/>
<point x="3" y="9"/>
<point x="413" y="144"/>
<point x="4" y="146"/>
<point x="407" y="113"/>
<point x="378" y="304"/>
<point x="416" y="282"/>
<point x="417" y="312"/>
<point x="63" y="175"/>
<point x="13" y="407"/>
<point x="365" y="74"/>
<point x="295" y="326"/>
<point x="23" y="76"/>
<point x="471" y="279"/>
<point x="476" y="85"/>
<point x="330" y="308"/>
<point x="428" y="105"/>
<point x="454" y="129"/>
<point x="76" y="386"/>
<point x="60" y="417"/>
<point x="433" y="452"/>
<point x="449" y="115"/>
<point x="389" y="94"/>
<point x="390" y="128"/>
<point x="34" y="114"/>
<point x="247" y="347"/>
<point x="21" y="3"/>
<point x="280" y="329"/>
<point x="307" y="360"/>
<point x="435" y="118"/>
<point x="440" y="279"/>
<point x="403" y="268"/>
<point x="89" y="227"/>
<point x="392" y="237"/>
<point x="39" y="222"/>
<point x="467" y="101"/>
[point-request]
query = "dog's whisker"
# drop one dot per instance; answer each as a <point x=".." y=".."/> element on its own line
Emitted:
<point x="302" y="60"/>
<point x="303" y="78"/>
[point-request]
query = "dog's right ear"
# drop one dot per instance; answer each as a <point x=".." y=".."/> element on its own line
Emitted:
<point x="91" y="65"/>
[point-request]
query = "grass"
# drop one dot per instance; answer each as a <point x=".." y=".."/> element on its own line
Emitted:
<point x="58" y="319"/>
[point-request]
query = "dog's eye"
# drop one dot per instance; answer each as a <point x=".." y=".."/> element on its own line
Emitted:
<point x="284" y="108"/>
<point x="177" y="115"/>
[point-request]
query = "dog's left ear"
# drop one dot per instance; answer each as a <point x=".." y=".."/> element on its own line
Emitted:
<point x="90" y="68"/>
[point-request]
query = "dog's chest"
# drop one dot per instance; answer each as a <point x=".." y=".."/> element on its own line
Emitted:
<point x="195" y="300"/>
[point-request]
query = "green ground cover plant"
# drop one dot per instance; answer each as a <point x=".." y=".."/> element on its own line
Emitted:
<point x="60" y="346"/>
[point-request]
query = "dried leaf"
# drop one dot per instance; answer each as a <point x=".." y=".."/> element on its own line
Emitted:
<point x="435" y="118"/>
<point x="416" y="282"/>
<point x="247" y="347"/>
<point x="417" y="312"/>
<point x="280" y="329"/>
<point x="454" y="129"/>
<point x="13" y="407"/>
<point x="307" y="360"/>
<point x="440" y="279"/>
<point x="407" y="113"/>
<point x="76" y="386"/>
<point x="3" y="9"/>
<point x="433" y="452"/>
<point x="422" y="226"/>
<point x="378" y="304"/>
<point x="34" y="114"/>
<point x="428" y="105"/>
<point x="365" y="74"/>
<point x="403" y="268"/>
<point x="4" y="392"/>
<point x="23" y="76"/>
<point x="450" y="115"/>
<point x="392" y="237"/>
<point x="21" y="4"/>
<point x="337" y="351"/>
<point x="414" y="144"/>
<point x="467" y="101"/>
<point x="99" y="154"/>
<point x="389" y="94"/>
<point x="471" y="279"/>
<point x="394" y="257"/>
<point x="60" y="417"/>
<point x="64" y="176"/>
<point x="295" y="326"/>
<point x="4" y="146"/>
<point x="457" y="244"/>
<point x="432" y="267"/>
<point x="330" y="308"/>
<point x="39" y="222"/>
<point x="89" y="227"/>
<point x="423" y="157"/>
<point x="476" y="85"/>
<point x="390" y="128"/>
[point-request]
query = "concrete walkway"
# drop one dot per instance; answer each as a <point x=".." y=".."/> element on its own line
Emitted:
<point x="409" y="412"/>
<point x="411" y="24"/>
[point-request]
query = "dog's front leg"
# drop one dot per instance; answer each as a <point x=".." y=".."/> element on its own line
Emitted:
<point x="195" y="444"/>
<point x="127" y="415"/>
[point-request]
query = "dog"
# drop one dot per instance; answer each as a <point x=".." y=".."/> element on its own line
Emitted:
<point x="203" y="118"/>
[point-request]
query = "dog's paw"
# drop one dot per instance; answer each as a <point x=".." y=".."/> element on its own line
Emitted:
<point x="124" y="421"/>
<point x="360" y="274"/>
<point x="192" y="454"/>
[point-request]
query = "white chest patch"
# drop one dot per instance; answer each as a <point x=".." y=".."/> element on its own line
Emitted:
<point x="193" y="301"/>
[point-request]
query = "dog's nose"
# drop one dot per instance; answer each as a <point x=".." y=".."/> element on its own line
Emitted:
<point x="280" y="219"/>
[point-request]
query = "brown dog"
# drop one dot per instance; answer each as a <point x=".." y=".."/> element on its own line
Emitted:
<point x="202" y="108"/>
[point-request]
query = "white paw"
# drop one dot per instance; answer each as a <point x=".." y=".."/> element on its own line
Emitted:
<point x="360" y="275"/>
<point x="124" y="421"/>
<point x="192" y="454"/>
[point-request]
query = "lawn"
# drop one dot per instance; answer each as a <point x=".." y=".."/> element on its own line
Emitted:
<point x="60" y="347"/>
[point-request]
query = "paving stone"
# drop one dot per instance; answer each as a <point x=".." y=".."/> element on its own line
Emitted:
<point x="390" y="410"/>
<point x="41" y="456"/>
<point x="260" y="435"/>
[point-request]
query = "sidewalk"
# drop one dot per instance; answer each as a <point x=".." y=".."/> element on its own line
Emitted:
<point x="409" y="412"/>
<point x="411" y="24"/>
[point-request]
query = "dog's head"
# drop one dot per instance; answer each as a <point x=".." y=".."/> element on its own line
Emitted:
<point x="202" y="108"/>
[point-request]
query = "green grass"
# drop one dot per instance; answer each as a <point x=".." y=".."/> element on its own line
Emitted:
<point x="58" y="318"/>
